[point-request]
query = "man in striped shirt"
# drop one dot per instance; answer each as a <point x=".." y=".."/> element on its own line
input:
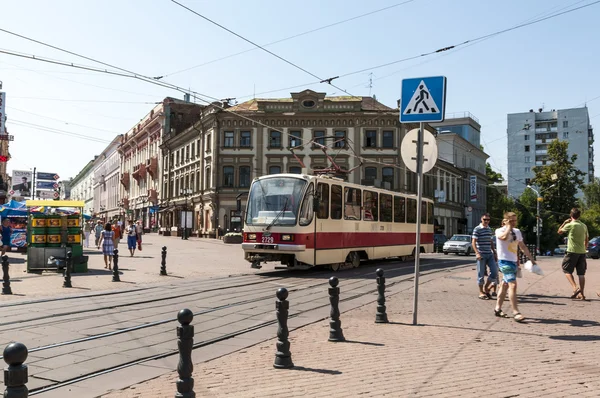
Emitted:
<point x="486" y="256"/>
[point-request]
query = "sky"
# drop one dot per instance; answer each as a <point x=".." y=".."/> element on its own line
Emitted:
<point x="61" y="116"/>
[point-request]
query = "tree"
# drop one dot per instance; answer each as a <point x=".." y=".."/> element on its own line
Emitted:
<point x="497" y="202"/>
<point x="591" y="194"/>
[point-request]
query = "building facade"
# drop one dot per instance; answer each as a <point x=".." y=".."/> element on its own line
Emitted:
<point x="106" y="186"/>
<point x="82" y="187"/>
<point x="529" y="134"/>
<point x="64" y="189"/>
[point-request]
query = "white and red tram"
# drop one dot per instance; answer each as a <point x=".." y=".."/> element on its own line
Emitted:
<point x="351" y="222"/>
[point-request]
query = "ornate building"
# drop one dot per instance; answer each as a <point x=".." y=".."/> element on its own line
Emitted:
<point x="106" y="181"/>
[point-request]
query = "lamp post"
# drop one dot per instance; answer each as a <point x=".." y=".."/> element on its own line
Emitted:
<point x="537" y="215"/>
<point x="185" y="192"/>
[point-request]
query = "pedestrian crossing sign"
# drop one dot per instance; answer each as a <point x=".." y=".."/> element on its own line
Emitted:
<point x="423" y="99"/>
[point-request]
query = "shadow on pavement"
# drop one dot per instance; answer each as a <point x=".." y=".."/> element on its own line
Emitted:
<point x="571" y="322"/>
<point x="584" y="337"/>
<point x="16" y="260"/>
<point x="325" y="371"/>
<point x="365" y="343"/>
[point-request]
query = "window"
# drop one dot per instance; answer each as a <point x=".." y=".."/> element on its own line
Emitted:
<point x="319" y="137"/>
<point x="228" y="141"/>
<point x="388" y="176"/>
<point x="306" y="211"/>
<point x="430" y="213"/>
<point x="370" y="173"/>
<point x="295" y="138"/>
<point x="352" y="204"/>
<point x="193" y="152"/>
<point x="274" y="169"/>
<point x="527" y="169"/>
<point x="371" y="138"/>
<point x="295" y="170"/>
<point x="411" y="211"/>
<point x="423" y="212"/>
<point x="370" y="209"/>
<point x="527" y="159"/>
<point x="187" y="153"/>
<point x="336" y="202"/>
<point x="197" y="147"/>
<point x="323" y="195"/>
<point x="399" y="209"/>
<point x="244" y="176"/>
<point x="566" y="134"/>
<point x="526" y="137"/>
<point x="385" y="207"/>
<point x="275" y="141"/>
<point x="177" y="158"/>
<point x="388" y="139"/>
<point x="228" y="176"/>
<point x="526" y="148"/>
<point x="208" y="146"/>
<point x="340" y="139"/>
<point x="207" y="178"/>
<point x="527" y="181"/>
<point x="245" y="139"/>
<point x="565" y="124"/>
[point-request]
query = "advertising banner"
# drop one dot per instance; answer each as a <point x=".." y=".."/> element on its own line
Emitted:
<point x="47" y="176"/>
<point x="21" y="183"/>
<point x="473" y="188"/>
<point x="46" y="185"/>
<point x="2" y="112"/>
<point x="46" y="194"/>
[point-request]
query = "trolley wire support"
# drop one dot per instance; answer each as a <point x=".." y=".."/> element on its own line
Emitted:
<point x="163" y="261"/>
<point x="335" y="325"/>
<point x="283" y="356"/>
<point x="15" y="375"/>
<point x="5" y="277"/>
<point x="116" y="277"/>
<point x="68" y="267"/>
<point x="381" y="315"/>
<point x="185" y="344"/>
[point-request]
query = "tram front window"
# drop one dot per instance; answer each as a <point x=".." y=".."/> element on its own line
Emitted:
<point x="274" y="201"/>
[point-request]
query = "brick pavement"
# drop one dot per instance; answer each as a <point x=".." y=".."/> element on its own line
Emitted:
<point x="459" y="349"/>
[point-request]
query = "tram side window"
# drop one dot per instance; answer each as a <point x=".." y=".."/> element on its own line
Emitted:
<point x="411" y="211"/>
<point x="430" y="213"/>
<point x="336" y="202"/>
<point x="399" y="209"/>
<point x="323" y="195"/>
<point x="306" y="211"/>
<point x="423" y="212"/>
<point x="371" y="208"/>
<point x="385" y="207"/>
<point x="352" y="204"/>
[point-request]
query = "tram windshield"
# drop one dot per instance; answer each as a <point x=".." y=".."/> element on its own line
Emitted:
<point x="274" y="201"/>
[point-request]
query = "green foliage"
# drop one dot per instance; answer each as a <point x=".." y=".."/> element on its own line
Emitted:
<point x="591" y="218"/>
<point x="591" y="192"/>
<point x="497" y="202"/>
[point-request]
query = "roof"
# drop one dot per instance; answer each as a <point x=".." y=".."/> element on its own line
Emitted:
<point x="367" y="103"/>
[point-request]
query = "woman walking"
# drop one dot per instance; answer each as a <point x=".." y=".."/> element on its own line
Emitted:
<point x="131" y="237"/>
<point x="87" y="230"/>
<point x="108" y="246"/>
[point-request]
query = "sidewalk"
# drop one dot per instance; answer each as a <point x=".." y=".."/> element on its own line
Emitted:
<point x="459" y="348"/>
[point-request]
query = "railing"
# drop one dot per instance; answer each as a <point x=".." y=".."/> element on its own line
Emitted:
<point x="459" y="115"/>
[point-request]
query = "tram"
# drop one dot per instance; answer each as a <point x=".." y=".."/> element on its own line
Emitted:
<point x="304" y="221"/>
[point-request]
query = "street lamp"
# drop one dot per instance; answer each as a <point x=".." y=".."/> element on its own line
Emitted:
<point x="537" y="216"/>
<point x="185" y="192"/>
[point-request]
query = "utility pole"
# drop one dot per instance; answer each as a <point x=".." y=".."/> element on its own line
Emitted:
<point x="538" y="199"/>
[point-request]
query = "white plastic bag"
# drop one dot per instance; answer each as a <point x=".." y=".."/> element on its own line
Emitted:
<point x="534" y="268"/>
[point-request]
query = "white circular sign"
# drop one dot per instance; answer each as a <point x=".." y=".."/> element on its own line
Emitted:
<point x="469" y="209"/>
<point x="408" y="150"/>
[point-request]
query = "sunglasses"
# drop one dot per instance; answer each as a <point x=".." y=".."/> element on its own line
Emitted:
<point x="485" y="219"/>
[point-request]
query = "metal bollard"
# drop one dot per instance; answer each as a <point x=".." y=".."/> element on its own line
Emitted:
<point x="283" y="356"/>
<point x="335" y="325"/>
<point x="116" y="277"/>
<point x="163" y="261"/>
<point x="68" y="267"/>
<point x="185" y="343"/>
<point x="5" y="277"/>
<point x="15" y="375"/>
<point x="381" y="316"/>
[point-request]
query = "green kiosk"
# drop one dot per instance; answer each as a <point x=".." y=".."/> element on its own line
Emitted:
<point x="54" y="228"/>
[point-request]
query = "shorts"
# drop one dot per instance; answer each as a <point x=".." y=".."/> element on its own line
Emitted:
<point x="509" y="270"/>
<point x="131" y="242"/>
<point x="5" y="242"/>
<point x="574" y="261"/>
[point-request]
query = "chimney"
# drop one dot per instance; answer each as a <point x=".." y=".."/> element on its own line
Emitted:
<point x="540" y="110"/>
<point x="531" y="110"/>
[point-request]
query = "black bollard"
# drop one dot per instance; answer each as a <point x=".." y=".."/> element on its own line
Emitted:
<point x="5" y="277"/>
<point x="163" y="261"/>
<point x="335" y="325"/>
<point x="185" y="343"/>
<point x="116" y="277"/>
<point x="15" y="376"/>
<point x="283" y="357"/>
<point x="67" y="272"/>
<point x="381" y="316"/>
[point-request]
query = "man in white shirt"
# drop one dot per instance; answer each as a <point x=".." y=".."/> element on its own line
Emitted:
<point x="508" y="242"/>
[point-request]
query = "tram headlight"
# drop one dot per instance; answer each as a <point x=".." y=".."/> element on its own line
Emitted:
<point x="287" y="238"/>
<point x="251" y="236"/>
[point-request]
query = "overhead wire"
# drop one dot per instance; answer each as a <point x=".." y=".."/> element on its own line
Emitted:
<point x="62" y="121"/>
<point x="58" y="131"/>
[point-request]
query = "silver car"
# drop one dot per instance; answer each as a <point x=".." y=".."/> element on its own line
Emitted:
<point x="458" y="244"/>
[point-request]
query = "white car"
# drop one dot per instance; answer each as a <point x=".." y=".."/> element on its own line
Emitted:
<point x="458" y="244"/>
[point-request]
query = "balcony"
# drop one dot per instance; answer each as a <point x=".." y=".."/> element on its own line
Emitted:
<point x="153" y="166"/>
<point x="538" y="163"/>
<point x="541" y="151"/>
<point x="153" y="196"/>
<point x="125" y="180"/>
<point x="142" y="171"/>
<point x="126" y="203"/>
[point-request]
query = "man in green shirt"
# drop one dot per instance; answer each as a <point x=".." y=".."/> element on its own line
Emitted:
<point x="576" y="251"/>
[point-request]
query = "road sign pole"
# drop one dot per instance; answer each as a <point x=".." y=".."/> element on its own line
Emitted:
<point x="419" y="210"/>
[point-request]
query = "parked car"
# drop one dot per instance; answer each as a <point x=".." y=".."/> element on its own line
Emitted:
<point x="593" y="249"/>
<point x="458" y="244"/>
<point x="439" y="239"/>
<point x="560" y="250"/>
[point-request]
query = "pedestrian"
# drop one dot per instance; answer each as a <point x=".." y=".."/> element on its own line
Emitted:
<point x="6" y="233"/>
<point x="131" y="232"/>
<point x="98" y="233"/>
<point x="509" y="239"/>
<point x="140" y="232"/>
<point x="108" y="246"/>
<point x="87" y="230"/>
<point x="117" y="230"/>
<point x="484" y="248"/>
<point x="576" y="251"/>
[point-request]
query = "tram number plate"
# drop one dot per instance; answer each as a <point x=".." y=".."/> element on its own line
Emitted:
<point x="266" y="247"/>
<point x="267" y="239"/>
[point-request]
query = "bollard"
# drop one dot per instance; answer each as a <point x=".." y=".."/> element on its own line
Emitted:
<point x="116" y="277"/>
<point x="5" y="277"/>
<point x="381" y="316"/>
<point x="163" y="261"/>
<point x="67" y="273"/>
<point x="185" y="343"/>
<point x="15" y="376"/>
<point x="283" y="357"/>
<point x="335" y="325"/>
